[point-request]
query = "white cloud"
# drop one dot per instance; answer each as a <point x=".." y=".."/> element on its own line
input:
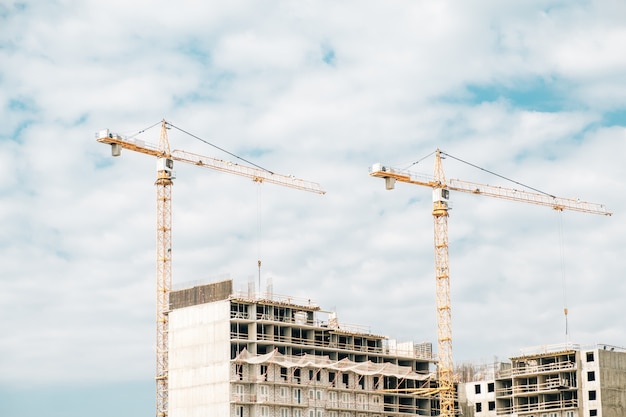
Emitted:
<point x="77" y="226"/>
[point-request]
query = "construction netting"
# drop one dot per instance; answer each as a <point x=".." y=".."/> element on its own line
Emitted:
<point x="324" y="362"/>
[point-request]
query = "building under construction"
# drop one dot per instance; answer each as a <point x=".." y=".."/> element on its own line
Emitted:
<point x="219" y="353"/>
<point x="549" y="381"/>
<point x="245" y="355"/>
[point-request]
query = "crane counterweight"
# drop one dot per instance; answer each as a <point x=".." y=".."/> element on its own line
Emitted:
<point x="441" y="197"/>
<point x="165" y="175"/>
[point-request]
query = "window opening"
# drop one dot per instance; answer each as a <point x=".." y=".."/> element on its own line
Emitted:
<point x="331" y="378"/>
<point x="297" y="395"/>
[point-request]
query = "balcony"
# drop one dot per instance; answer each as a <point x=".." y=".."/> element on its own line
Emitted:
<point x="546" y="406"/>
<point x="536" y="369"/>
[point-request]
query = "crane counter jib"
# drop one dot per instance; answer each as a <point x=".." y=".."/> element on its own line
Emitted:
<point x="441" y="198"/>
<point x="119" y="142"/>
<point x="165" y="174"/>
<point x="391" y="175"/>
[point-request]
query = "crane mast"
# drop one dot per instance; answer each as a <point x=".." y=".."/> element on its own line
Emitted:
<point x="442" y="279"/>
<point x="164" y="181"/>
<point x="441" y="195"/>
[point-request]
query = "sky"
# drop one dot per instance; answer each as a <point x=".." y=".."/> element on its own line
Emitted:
<point x="531" y="90"/>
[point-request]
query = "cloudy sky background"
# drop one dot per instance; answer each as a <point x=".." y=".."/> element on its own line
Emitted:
<point x="532" y="90"/>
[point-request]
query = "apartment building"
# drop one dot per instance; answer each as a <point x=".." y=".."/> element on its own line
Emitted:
<point x="247" y="355"/>
<point x="552" y="381"/>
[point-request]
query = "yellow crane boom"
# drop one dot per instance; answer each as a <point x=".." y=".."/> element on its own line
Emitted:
<point x="557" y="203"/>
<point x="164" y="182"/>
<point x="118" y="142"/>
<point x="441" y="195"/>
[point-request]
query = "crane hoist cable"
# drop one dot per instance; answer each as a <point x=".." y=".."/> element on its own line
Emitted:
<point x="441" y="189"/>
<point x="498" y="175"/>
<point x="421" y="159"/>
<point x="143" y="130"/>
<point x="169" y="125"/>
<point x="560" y="227"/>
<point x="259" y="234"/>
<point x="217" y="147"/>
<point x="165" y="176"/>
<point x="561" y="238"/>
<point x="563" y="275"/>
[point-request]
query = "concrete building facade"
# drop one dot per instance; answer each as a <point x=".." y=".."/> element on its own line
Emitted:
<point x="551" y="381"/>
<point x="247" y="355"/>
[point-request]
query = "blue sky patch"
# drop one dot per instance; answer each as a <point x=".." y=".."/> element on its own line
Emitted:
<point x="615" y="118"/>
<point x="414" y="200"/>
<point x="22" y="105"/>
<point x="5" y="11"/>
<point x="537" y="94"/>
<point x="81" y="119"/>
<point x="101" y="162"/>
<point x="328" y="55"/>
<point x="210" y="91"/>
<point x="255" y="153"/>
<point x="195" y="49"/>
<point x="18" y="130"/>
<point x="128" y="398"/>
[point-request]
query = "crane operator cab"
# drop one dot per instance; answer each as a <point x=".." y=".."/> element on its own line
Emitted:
<point x="165" y="168"/>
<point x="441" y="199"/>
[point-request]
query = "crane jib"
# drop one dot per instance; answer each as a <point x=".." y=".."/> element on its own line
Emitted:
<point x="441" y="188"/>
<point x="165" y="175"/>
<point x="557" y="203"/>
<point x="256" y="174"/>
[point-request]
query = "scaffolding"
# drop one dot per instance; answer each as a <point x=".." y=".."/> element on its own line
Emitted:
<point x="312" y="382"/>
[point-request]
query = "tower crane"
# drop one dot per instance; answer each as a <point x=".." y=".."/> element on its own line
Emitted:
<point x="441" y="195"/>
<point x="164" y="182"/>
